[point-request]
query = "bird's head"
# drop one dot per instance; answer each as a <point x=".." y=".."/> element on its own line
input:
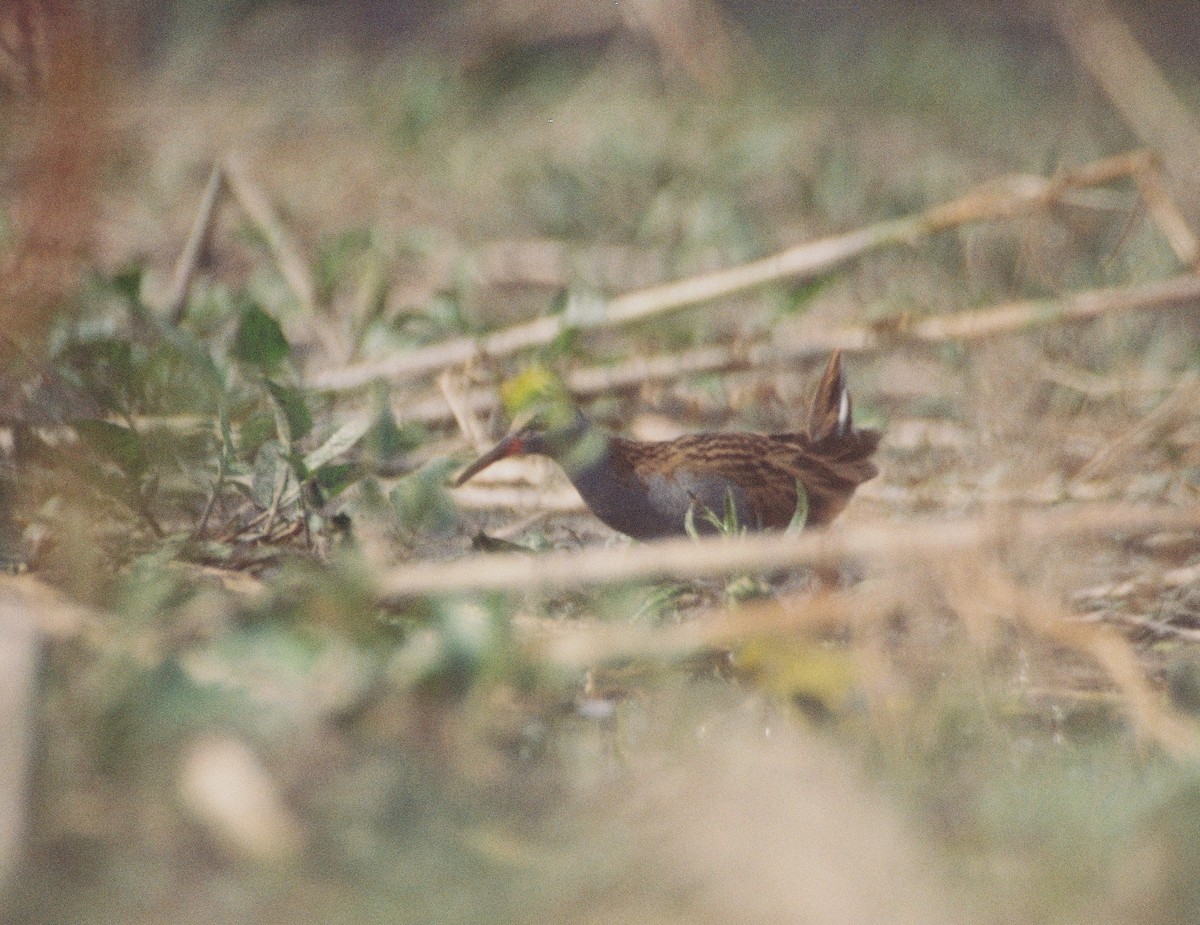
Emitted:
<point x="557" y="430"/>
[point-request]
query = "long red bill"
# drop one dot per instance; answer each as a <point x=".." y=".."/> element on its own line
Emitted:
<point x="509" y="446"/>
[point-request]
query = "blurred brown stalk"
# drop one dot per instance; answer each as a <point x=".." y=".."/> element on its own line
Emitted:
<point x="55" y="94"/>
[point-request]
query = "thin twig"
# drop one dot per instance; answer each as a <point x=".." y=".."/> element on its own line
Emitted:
<point x="197" y="241"/>
<point x="1178" y="407"/>
<point x="452" y="390"/>
<point x="237" y="532"/>
<point x="1008" y="197"/>
<point x="211" y="503"/>
<point x="1104" y="46"/>
<point x="575" y="644"/>
<point x="1165" y="212"/>
<point x="257" y="207"/>
<point x="1017" y="316"/>
<point x="1006" y="318"/>
<point x="687" y="559"/>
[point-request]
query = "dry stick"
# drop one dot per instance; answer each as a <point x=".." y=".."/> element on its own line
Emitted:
<point x="189" y="257"/>
<point x="575" y="644"/>
<point x="1018" y="316"/>
<point x="809" y="258"/>
<point x="1014" y="196"/>
<point x="1105" y="48"/>
<point x="20" y="647"/>
<point x="689" y="559"/>
<point x="1169" y="218"/>
<point x="548" y="500"/>
<point x="1179" y="406"/>
<point x="258" y="209"/>
<point x="454" y="394"/>
<point x="1005" y="198"/>
<point x="1006" y="318"/>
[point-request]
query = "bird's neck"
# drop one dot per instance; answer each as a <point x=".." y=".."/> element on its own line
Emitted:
<point x="600" y="478"/>
<point x="587" y="454"/>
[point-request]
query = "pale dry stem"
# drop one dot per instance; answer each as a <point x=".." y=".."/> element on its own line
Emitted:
<point x="1104" y="46"/>
<point x="986" y="598"/>
<point x="976" y="324"/>
<point x="1005" y="198"/>
<point x="1178" y="408"/>
<point x="256" y="205"/>
<point x="193" y="249"/>
<point x="764" y="552"/>
<point x="451" y="386"/>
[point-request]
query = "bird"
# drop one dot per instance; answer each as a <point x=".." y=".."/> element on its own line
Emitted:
<point x="654" y="490"/>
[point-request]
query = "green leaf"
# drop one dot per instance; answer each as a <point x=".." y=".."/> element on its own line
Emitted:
<point x="745" y="588"/>
<point x="259" y="340"/>
<point x="564" y="344"/>
<point x="291" y="405"/>
<point x="180" y="381"/>
<point x="481" y="542"/>
<point x="421" y="501"/>
<point x="335" y="478"/>
<point x="271" y="471"/>
<point x="689" y="522"/>
<point x="340" y="257"/>
<point x="106" y="371"/>
<point x="128" y="283"/>
<point x="225" y="427"/>
<point x="558" y="302"/>
<point x="386" y="441"/>
<point x="341" y="440"/>
<point x="444" y="310"/>
<point x="119" y="444"/>
<point x="254" y="431"/>
<point x="799" y="298"/>
<point x="728" y="525"/>
<point x="188" y="347"/>
<point x="800" y="518"/>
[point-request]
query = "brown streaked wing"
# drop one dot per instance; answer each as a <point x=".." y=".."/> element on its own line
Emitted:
<point x="830" y="470"/>
<point x="751" y="461"/>
<point x="767" y="467"/>
<point x="826" y="485"/>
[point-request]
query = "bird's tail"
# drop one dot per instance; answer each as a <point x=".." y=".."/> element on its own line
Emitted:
<point x="832" y="411"/>
<point x="831" y="424"/>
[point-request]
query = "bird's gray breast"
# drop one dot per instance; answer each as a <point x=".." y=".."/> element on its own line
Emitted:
<point x="657" y="505"/>
<point x="620" y="500"/>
